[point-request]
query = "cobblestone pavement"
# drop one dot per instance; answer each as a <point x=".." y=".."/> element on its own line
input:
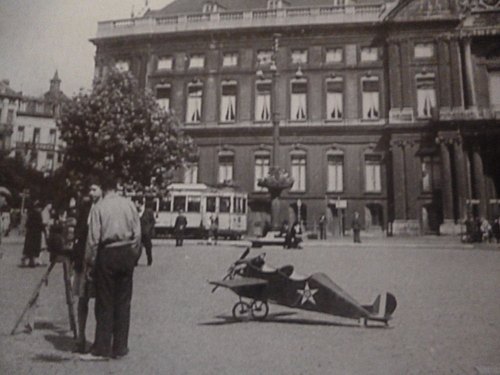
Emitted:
<point x="447" y="320"/>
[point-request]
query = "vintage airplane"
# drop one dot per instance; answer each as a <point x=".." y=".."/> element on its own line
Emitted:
<point x="256" y="284"/>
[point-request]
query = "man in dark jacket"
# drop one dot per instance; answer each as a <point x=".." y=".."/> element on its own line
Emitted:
<point x="147" y="227"/>
<point x="180" y="226"/>
<point x="356" y="227"/>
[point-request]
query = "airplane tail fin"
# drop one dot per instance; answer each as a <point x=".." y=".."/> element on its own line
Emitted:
<point x="384" y="305"/>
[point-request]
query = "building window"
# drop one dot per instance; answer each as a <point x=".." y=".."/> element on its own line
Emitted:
<point x="165" y="63"/>
<point x="194" y="102"/>
<point x="122" y="66"/>
<point x="369" y="54"/>
<point x="190" y="173"/>
<point x="335" y="98"/>
<point x="264" y="57"/>
<point x="263" y="100"/>
<point x="23" y="106"/>
<point x="424" y="50"/>
<point x="334" y="55"/>
<point x="494" y="88"/>
<point x="373" y="173"/>
<point x="335" y="171"/>
<point x="299" y="170"/>
<point x="228" y="101"/>
<point x="226" y="163"/>
<point x="52" y="136"/>
<point x="163" y="93"/>
<point x="426" y="95"/>
<point x="20" y="134"/>
<point x="230" y="59"/>
<point x="262" y="163"/>
<point x="49" y="161"/>
<point x="430" y="173"/>
<point x="299" y="56"/>
<point x="36" y="135"/>
<point x="370" y="98"/>
<point x="197" y="61"/>
<point x="298" y="100"/>
<point x="10" y="116"/>
<point x="39" y="107"/>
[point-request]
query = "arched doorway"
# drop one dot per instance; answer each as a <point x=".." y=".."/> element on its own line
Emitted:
<point x="374" y="217"/>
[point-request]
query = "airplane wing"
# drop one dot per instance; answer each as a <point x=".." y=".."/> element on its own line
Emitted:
<point x="248" y="287"/>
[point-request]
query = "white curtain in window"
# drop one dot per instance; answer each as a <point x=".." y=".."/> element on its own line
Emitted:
<point x="263" y="106"/>
<point x="191" y="174"/>
<point x="299" y="173"/>
<point x="298" y="106"/>
<point x="335" y="176"/>
<point x="426" y="98"/>
<point x="193" y="113"/>
<point x="373" y="183"/>
<point x="261" y="170"/>
<point x="371" y="105"/>
<point x="228" y="108"/>
<point x="225" y="172"/>
<point x="334" y="105"/>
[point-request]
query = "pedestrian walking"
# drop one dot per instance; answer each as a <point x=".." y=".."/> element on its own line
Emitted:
<point x="33" y="238"/>
<point x="179" y="228"/>
<point x="495" y="229"/>
<point x="322" y="227"/>
<point x="148" y="222"/>
<point x="113" y="244"/>
<point x="214" y="229"/>
<point x="356" y="227"/>
<point x="83" y="284"/>
<point x="4" y="193"/>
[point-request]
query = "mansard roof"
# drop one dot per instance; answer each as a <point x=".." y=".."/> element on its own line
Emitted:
<point x="196" y="6"/>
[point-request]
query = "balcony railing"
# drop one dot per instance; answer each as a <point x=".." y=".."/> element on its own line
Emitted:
<point x="242" y="19"/>
<point x="35" y="146"/>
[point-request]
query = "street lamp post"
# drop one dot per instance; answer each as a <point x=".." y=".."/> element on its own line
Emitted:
<point x="278" y="178"/>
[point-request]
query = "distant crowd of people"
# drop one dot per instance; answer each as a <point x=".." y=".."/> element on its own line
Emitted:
<point x="481" y="230"/>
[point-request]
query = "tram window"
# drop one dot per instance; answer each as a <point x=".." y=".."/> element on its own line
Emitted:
<point x="179" y="203"/>
<point x="211" y="204"/>
<point x="239" y="205"/>
<point x="244" y="207"/>
<point x="194" y="204"/>
<point x="165" y="204"/>
<point x="225" y="204"/>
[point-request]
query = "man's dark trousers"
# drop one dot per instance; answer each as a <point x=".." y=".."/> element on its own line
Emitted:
<point x="148" y="246"/>
<point x="113" y="281"/>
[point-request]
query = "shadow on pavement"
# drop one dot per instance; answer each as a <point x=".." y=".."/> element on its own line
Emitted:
<point x="278" y="318"/>
<point x="61" y="342"/>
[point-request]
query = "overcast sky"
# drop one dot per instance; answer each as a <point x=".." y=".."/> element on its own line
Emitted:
<point x="38" y="37"/>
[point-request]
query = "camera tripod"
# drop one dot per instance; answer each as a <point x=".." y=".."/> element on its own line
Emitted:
<point x="66" y="263"/>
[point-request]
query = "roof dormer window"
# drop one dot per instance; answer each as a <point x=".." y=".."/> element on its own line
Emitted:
<point x="274" y="4"/>
<point x="210" y="7"/>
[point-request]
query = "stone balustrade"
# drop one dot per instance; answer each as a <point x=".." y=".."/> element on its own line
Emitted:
<point x="242" y="19"/>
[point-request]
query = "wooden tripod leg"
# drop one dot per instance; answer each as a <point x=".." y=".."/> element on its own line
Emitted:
<point x="69" y="298"/>
<point x="34" y="296"/>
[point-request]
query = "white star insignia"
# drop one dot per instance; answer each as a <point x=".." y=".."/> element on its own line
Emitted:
<point x="307" y="294"/>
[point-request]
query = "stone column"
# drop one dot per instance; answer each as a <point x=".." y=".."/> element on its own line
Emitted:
<point x="461" y="174"/>
<point x="403" y="223"/>
<point x="479" y="183"/>
<point x="469" y="74"/>
<point x="447" y="227"/>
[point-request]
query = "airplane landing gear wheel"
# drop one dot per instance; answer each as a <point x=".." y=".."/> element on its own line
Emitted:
<point x="259" y="310"/>
<point x="242" y="311"/>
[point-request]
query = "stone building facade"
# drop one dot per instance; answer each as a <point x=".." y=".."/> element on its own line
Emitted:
<point x="390" y="109"/>
<point x="35" y="137"/>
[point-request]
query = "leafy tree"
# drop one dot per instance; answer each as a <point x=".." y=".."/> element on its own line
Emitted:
<point x="118" y="127"/>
